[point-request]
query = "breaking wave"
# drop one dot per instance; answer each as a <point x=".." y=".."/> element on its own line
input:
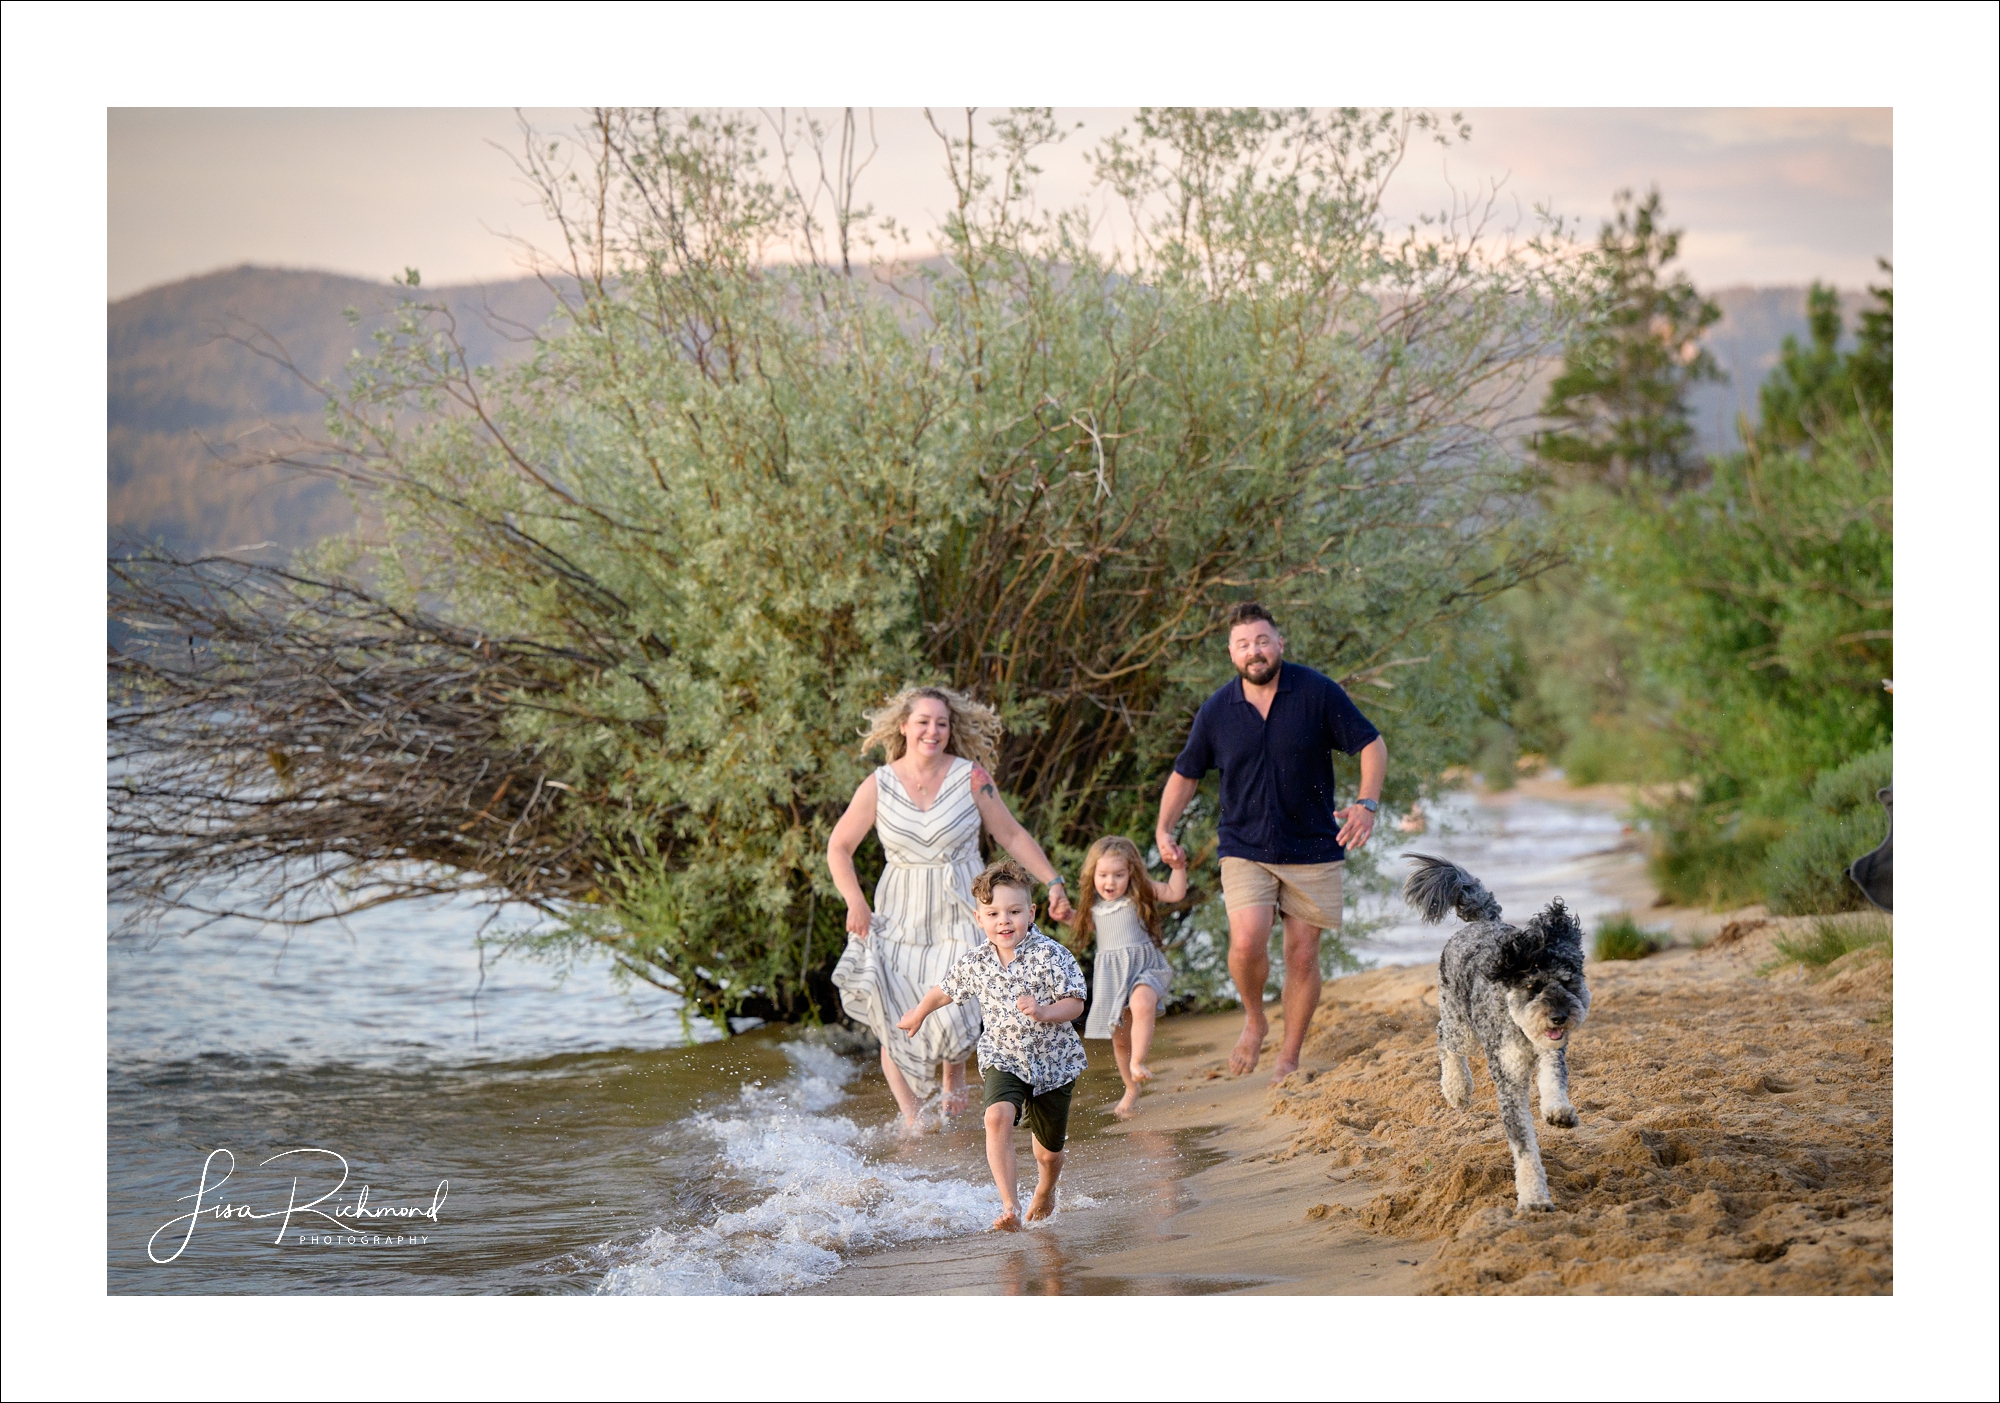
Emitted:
<point x="826" y="1198"/>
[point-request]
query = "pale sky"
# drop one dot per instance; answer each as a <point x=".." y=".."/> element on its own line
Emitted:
<point x="1766" y="195"/>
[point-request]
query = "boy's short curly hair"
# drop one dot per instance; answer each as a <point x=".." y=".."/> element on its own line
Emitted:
<point x="1005" y="873"/>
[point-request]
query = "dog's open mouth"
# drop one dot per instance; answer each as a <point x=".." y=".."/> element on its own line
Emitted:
<point x="1558" y="1034"/>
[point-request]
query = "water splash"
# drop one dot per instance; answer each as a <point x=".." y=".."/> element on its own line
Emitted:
<point x="827" y="1199"/>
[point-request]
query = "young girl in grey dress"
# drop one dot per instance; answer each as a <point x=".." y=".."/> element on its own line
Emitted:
<point x="1121" y="910"/>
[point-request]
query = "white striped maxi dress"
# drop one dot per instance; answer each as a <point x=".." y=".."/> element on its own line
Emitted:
<point x="923" y="924"/>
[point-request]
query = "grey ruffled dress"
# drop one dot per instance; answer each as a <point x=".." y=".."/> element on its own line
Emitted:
<point x="1126" y="958"/>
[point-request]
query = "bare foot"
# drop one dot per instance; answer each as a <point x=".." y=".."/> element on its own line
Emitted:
<point x="1042" y="1205"/>
<point x="1008" y="1221"/>
<point x="1128" y="1107"/>
<point x="1286" y="1066"/>
<point x="913" y="1126"/>
<point x="1249" y="1047"/>
<point x="1141" y="1072"/>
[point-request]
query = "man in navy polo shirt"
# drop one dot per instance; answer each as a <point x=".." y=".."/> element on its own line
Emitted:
<point x="1272" y="732"/>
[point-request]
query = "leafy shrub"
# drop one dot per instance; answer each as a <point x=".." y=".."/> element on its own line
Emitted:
<point x="1854" y="784"/>
<point x="1806" y="872"/>
<point x="1710" y="855"/>
<point x="1619" y="937"/>
<point x="1497" y="751"/>
<point x="1619" y="753"/>
<point x="1766" y="597"/>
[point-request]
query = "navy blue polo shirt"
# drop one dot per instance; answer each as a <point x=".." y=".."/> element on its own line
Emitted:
<point x="1277" y="774"/>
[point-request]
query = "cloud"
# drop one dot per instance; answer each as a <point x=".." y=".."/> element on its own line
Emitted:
<point x="1767" y="196"/>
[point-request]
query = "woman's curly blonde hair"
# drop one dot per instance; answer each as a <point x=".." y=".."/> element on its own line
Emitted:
<point x="975" y="726"/>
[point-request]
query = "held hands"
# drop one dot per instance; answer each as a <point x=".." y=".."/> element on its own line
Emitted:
<point x="1355" y="827"/>
<point x="1171" y="853"/>
<point x="1059" y="907"/>
<point x="858" y="917"/>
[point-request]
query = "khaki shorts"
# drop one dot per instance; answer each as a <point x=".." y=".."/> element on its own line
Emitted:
<point x="1308" y="890"/>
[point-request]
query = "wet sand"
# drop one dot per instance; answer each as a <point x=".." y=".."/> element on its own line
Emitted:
<point x="1197" y="1195"/>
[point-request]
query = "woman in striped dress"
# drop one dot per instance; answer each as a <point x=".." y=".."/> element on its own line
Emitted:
<point x="927" y="805"/>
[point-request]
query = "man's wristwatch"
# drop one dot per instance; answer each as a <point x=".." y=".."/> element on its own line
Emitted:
<point x="1369" y="804"/>
<point x="1055" y="882"/>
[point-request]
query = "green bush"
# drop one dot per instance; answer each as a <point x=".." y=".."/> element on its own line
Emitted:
<point x="1732" y="624"/>
<point x="1709" y="854"/>
<point x="1620" y="938"/>
<point x="1498" y="750"/>
<point x="1621" y="753"/>
<point x="1576" y="692"/>
<point x="1806" y="872"/>
<point x="1854" y="785"/>
<point x="1830" y="939"/>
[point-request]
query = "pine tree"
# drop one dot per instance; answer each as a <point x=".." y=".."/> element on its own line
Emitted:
<point x="1813" y="387"/>
<point x="1618" y="411"/>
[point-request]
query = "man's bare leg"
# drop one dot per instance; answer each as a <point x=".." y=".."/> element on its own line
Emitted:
<point x="1301" y="996"/>
<point x="954" y="1088"/>
<point x="1048" y="1169"/>
<point x="907" y="1100"/>
<point x="1121" y="1052"/>
<point x="1000" y="1159"/>
<point x="1250" y="966"/>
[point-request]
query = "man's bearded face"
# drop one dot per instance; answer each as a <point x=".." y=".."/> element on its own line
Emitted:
<point x="1256" y="650"/>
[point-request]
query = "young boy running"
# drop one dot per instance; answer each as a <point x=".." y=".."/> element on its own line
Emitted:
<point x="1029" y="989"/>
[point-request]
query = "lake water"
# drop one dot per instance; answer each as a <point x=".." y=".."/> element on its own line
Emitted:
<point x="517" y="1132"/>
<point x="1527" y="850"/>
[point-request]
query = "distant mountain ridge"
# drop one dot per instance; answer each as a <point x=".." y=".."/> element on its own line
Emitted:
<point x="1746" y="342"/>
<point x="180" y="391"/>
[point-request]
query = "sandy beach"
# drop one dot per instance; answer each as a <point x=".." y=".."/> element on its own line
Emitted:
<point x="1736" y="1136"/>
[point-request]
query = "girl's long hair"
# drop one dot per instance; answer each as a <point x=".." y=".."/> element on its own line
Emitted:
<point x="1139" y="886"/>
<point x="975" y="726"/>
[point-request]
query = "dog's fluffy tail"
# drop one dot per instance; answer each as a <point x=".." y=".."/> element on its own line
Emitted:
<point x="1437" y="887"/>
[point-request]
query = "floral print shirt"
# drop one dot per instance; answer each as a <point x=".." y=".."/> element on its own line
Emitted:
<point x="1044" y="1055"/>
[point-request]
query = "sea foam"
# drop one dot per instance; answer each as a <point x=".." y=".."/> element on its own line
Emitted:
<point x="827" y="1199"/>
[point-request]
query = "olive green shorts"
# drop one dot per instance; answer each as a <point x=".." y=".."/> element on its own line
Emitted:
<point x="1047" y="1115"/>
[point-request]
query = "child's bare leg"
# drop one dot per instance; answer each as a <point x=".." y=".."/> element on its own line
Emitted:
<point x="1048" y="1169"/>
<point x="1121" y="1049"/>
<point x="954" y="1088"/>
<point x="1144" y="1008"/>
<point x="1000" y="1158"/>
<point x="907" y="1100"/>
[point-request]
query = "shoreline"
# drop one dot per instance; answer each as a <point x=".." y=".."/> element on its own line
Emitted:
<point x="1737" y="1132"/>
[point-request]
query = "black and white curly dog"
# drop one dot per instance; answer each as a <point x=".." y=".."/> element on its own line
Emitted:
<point x="1517" y="992"/>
